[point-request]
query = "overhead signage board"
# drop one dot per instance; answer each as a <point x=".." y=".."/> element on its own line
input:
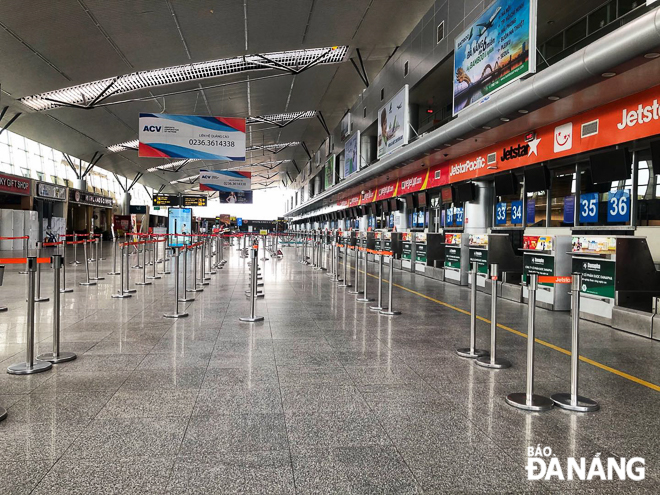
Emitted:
<point x="194" y="201"/>
<point x="352" y="155"/>
<point x="498" y="48"/>
<point x="393" y="123"/>
<point x="165" y="200"/>
<point x="231" y="186"/>
<point x="191" y="136"/>
<point x="77" y="196"/>
<point x="51" y="191"/>
<point x="346" y="126"/>
<point x="179" y="222"/>
<point x="15" y="185"/>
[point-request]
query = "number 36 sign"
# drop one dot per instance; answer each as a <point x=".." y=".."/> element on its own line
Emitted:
<point x="618" y="206"/>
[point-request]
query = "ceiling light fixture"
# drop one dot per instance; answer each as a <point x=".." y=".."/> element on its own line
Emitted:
<point x="96" y="91"/>
<point x="487" y="127"/>
<point x="608" y="74"/>
<point x="504" y="119"/>
<point x="553" y="98"/>
<point x="652" y="55"/>
<point x="523" y="111"/>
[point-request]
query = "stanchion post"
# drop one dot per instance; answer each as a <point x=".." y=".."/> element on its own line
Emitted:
<point x="75" y="250"/>
<point x="128" y="289"/>
<point x="122" y="293"/>
<point x="202" y="276"/>
<point x="345" y="282"/>
<point x="88" y="281"/>
<point x="37" y="297"/>
<point x="472" y="352"/>
<point x="64" y="288"/>
<point x="379" y="304"/>
<point x="114" y="257"/>
<point x="154" y="255"/>
<point x="365" y="263"/>
<point x="26" y="253"/>
<point x="356" y="276"/>
<point x="492" y="361"/>
<point x="176" y="314"/>
<point x="31" y="365"/>
<point x="210" y="270"/>
<point x="96" y="260"/>
<point x="528" y="400"/>
<point x="572" y="401"/>
<point x="253" y="287"/>
<point x="144" y="265"/>
<point x="389" y="310"/>
<point x="56" y="356"/>
<point x="184" y="298"/>
<point x="195" y="261"/>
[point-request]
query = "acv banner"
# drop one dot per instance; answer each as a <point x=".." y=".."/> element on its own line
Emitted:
<point x="496" y="49"/>
<point x="232" y="186"/>
<point x="191" y="136"/>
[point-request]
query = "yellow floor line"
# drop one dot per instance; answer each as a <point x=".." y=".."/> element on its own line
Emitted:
<point x="604" y="367"/>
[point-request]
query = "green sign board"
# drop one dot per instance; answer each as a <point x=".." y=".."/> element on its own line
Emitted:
<point x="453" y="256"/>
<point x="479" y="256"/>
<point x="538" y="264"/>
<point x="597" y="276"/>
<point x="420" y="253"/>
<point x="406" y="251"/>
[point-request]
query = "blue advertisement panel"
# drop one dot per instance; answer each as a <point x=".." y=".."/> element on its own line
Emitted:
<point x="516" y="212"/>
<point x="531" y="212"/>
<point x="191" y="136"/>
<point x="179" y="222"/>
<point x="589" y="208"/>
<point x="238" y="197"/>
<point x="496" y="49"/>
<point x="352" y="155"/>
<point x="500" y="214"/>
<point x="618" y="207"/>
<point x="569" y="209"/>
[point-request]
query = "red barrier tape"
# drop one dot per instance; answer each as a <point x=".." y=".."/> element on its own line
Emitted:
<point x="49" y="244"/>
<point x="21" y="261"/>
<point x="13" y="238"/>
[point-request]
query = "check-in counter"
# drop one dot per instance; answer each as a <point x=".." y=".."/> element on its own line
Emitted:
<point x="478" y="253"/>
<point x="456" y="258"/>
<point x="548" y="255"/>
<point x="392" y="243"/>
<point x="370" y="245"/>
<point x="420" y="252"/>
<point x="407" y="251"/>
<point x="435" y="256"/>
<point x="377" y="236"/>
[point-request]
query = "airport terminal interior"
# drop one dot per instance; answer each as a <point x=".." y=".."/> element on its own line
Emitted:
<point x="329" y="246"/>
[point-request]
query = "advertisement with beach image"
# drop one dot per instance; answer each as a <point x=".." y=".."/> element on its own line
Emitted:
<point x="393" y="128"/>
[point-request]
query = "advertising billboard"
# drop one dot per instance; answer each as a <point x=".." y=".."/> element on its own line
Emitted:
<point x="352" y="155"/>
<point x="330" y="172"/>
<point x="179" y="222"/>
<point x="393" y="123"/>
<point x="345" y="126"/>
<point x="191" y="136"/>
<point x="231" y="186"/>
<point x="496" y="49"/>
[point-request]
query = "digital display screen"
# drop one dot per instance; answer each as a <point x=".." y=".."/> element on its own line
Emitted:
<point x="179" y="222"/>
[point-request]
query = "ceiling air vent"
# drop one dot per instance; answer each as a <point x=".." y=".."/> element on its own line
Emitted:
<point x="589" y="129"/>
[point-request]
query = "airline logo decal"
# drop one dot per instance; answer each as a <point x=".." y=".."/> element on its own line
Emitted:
<point x="564" y="137"/>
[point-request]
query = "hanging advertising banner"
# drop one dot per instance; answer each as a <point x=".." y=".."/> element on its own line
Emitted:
<point x="329" y="172"/>
<point x="352" y="155"/>
<point x="345" y="126"/>
<point x="191" y="136"/>
<point x="232" y="186"/>
<point x="179" y="221"/>
<point x="495" y="50"/>
<point x="393" y="123"/>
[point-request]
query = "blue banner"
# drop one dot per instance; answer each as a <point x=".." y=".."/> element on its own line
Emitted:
<point x="569" y="209"/>
<point x="531" y="212"/>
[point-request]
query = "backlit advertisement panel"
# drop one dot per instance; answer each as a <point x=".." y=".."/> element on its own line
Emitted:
<point x="352" y="155"/>
<point x="393" y="126"/>
<point x="498" y="48"/>
<point x="179" y="222"/>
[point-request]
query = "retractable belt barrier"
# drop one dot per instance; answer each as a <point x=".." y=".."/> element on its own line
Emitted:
<point x="472" y="352"/>
<point x="492" y="361"/>
<point x="26" y="239"/>
<point x="254" y="267"/>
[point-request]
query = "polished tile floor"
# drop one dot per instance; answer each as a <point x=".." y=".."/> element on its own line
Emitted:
<point x="324" y="396"/>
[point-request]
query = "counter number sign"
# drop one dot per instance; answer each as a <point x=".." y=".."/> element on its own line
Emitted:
<point x="589" y="208"/>
<point x="500" y="214"/>
<point x="618" y="207"/>
<point x="516" y="212"/>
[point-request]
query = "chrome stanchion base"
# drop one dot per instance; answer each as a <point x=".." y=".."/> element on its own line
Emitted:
<point x="390" y="313"/>
<point x="114" y="273"/>
<point x="154" y="277"/>
<point x="65" y="291"/>
<point x="75" y="262"/>
<point x="342" y="284"/>
<point x="3" y="413"/>
<point x="377" y="308"/>
<point x="356" y="292"/>
<point x="97" y="278"/>
<point x="87" y="283"/>
<point x="583" y="404"/>
<point x="142" y="283"/>
<point x="498" y="364"/>
<point x="466" y="352"/>
<point x="130" y="291"/>
<point x="41" y="299"/>
<point x="186" y="299"/>
<point x="176" y="315"/>
<point x="538" y="402"/>
<point x="3" y="309"/>
<point x="365" y="299"/>
<point x="62" y="357"/>
<point x="251" y="320"/>
<point x="121" y="296"/>
<point x="202" y="282"/>
<point x="24" y="369"/>
<point x="198" y="289"/>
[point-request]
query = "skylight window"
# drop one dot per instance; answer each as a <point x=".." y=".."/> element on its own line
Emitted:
<point x="86" y="95"/>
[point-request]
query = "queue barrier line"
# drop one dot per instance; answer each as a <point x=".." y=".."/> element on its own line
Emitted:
<point x="584" y="359"/>
<point x="21" y="261"/>
<point x="13" y="238"/>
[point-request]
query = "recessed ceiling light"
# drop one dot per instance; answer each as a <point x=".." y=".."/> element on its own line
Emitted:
<point x="553" y="98"/>
<point x="608" y="74"/>
<point x="487" y="127"/>
<point x="522" y="111"/>
<point x="504" y="119"/>
<point x="652" y="55"/>
<point x="459" y="139"/>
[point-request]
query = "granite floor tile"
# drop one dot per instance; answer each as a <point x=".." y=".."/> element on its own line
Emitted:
<point x="20" y="477"/>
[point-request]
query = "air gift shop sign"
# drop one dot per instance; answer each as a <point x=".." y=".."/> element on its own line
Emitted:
<point x="191" y="136"/>
<point x="498" y="48"/>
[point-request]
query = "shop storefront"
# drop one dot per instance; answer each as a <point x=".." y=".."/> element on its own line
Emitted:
<point x="16" y="217"/>
<point x="87" y="211"/>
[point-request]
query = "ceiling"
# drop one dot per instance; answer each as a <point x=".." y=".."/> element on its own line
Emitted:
<point x="55" y="45"/>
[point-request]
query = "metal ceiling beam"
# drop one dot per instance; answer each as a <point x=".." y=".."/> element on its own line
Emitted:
<point x="306" y="149"/>
<point x="4" y="111"/>
<point x="138" y="176"/>
<point x="362" y="72"/>
<point x="11" y="121"/>
<point x="319" y="116"/>
<point x="119" y="182"/>
<point x="160" y="189"/>
<point x="148" y="193"/>
<point x="73" y="167"/>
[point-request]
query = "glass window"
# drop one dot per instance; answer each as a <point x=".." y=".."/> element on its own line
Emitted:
<point x="25" y="172"/>
<point x="554" y="45"/>
<point x="40" y="176"/>
<point x="562" y="187"/>
<point x="576" y="32"/>
<point x="599" y="18"/>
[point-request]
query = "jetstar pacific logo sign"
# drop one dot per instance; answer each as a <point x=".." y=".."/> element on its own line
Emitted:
<point x="468" y="166"/>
